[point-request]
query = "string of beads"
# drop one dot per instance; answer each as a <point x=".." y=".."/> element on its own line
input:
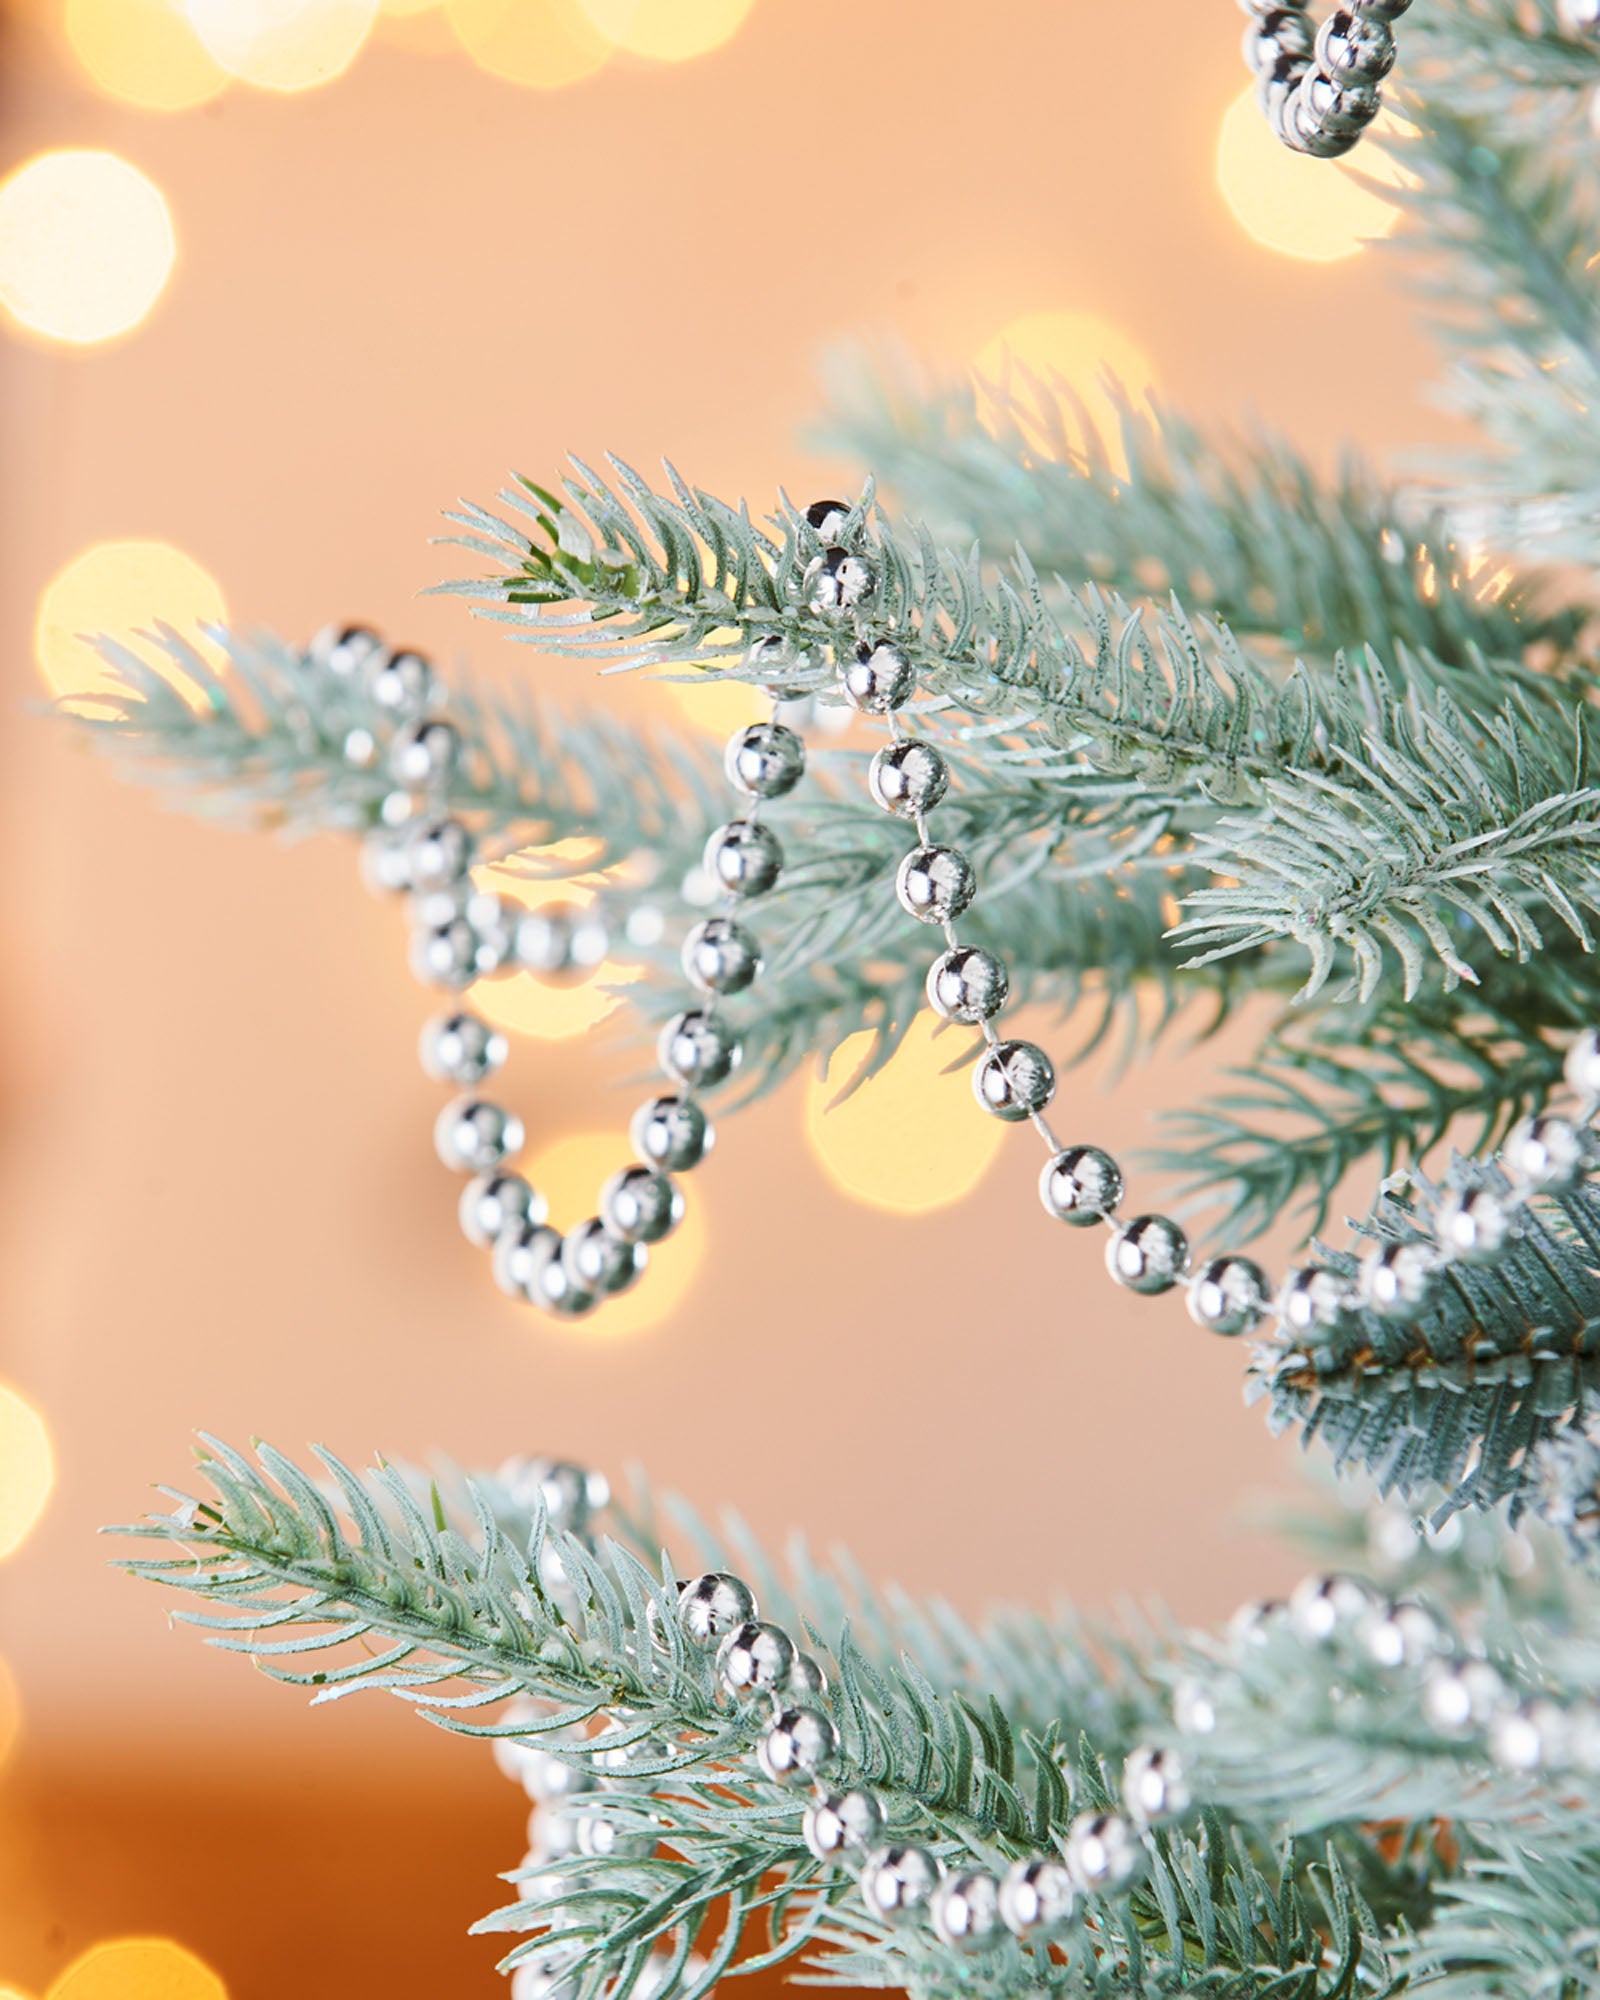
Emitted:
<point x="1319" y="86"/>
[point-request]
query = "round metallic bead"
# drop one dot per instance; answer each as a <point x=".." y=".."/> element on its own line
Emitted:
<point x="1352" y="47"/>
<point x="1311" y="1297"/>
<point x="720" y="956"/>
<point x="1323" y="1607"/>
<point x="571" y="1495"/>
<point x="965" y="1909"/>
<point x="806" y="1681"/>
<point x="600" y="1261"/>
<point x="1081" y="1185"/>
<point x="461" y="1049"/>
<point x="1458" y="1696"/>
<point x="1013" y="1080"/>
<point x="712" y="1606"/>
<point x="772" y="654"/>
<point x="1399" y="1635"/>
<point x="1229" y="1295"/>
<point x="935" y="884"/>
<point x="601" y="1837"/>
<point x="559" y="940"/>
<point x="515" y="1252"/>
<point x="755" y="1660"/>
<point x="898" y="1881"/>
<point x="360" y="749"/>
<point x="1393" y="1280"/>
<point x="1528" y="1737"/>
<point x="494" y="921"/>
<point x="828" y="517"/>
<point x="553" y="1286"/>
<point x="839" y="1820"/>
<point x="879" y="678"/>
<point x="1037" y="1899"/>
<point x="798" y="1744"/>
<point x="438" y="853"/>
<point x="402" y="684"/>
<point x="1154" y="1785"/>
<point x="493" y="1202"/>
<point x="1473" y="1224"/>
<point x="1194" y="1708"/>
<point x="671" y="1133"/>
<point x="765" y="760"/>
<point x="345" y="649"/>
<point x="967" y="985"/>
<point x="697" y="1049"/>
<point x="908" y="778"/>
<point x="1256" y="1620"/>
<point x="384" y="865"/>
<point x="446" y="955"/>
<point x="1103" y="1853"/>
<point x="1391" y="10"/>
<point x="424" y="754"/>
<point x="744" y="858"/>
<point x="1582" y="1065"/>
<point x="1546" y="1153"/>
<point x="640" y="1205"/>
<point x="1148" y="1254"/>
<point x="839" y="580"/>
<point x="1331" y="116"/>
<point x="471" y="1135"/>
<point x="1275" y="34"/>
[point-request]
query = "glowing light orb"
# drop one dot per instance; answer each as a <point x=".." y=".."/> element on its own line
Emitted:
<point x="569" y="1173"/>
<point x="138" y="1969"/>
<point x="284" y="45"/>
<point x="27" y="1469"/>
<point x="667" y="30"/>
<point x="118" y="589"/>
<point x="718" y="706"/>
<point x="911" y="1138"/>
<point x="546" y="1010"/>
<point x="1076" y="349"/>
<point x="142" y="52"/>
<point x="86" y="245"/>
<point x="541" y="44"/>
<point x="10" y="1724"/>
<point x="1313" y="209"/>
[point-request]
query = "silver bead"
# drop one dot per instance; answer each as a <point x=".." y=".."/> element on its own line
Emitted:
<point x="712" y="1606"/>
<point x="799" y="1743"/>
<point x="446" y="956"/>
<point x="559" y="940"/>
<point x="720" y="956"/>
<point x="671" y="1133"/>
<point x="1311" y="1297"/>
<point x="552" y="1284"/>
<point x="1081" y="1185"/>
<point x="1323" y="1607"/>
<point x="471" y="1135"/>
<point x="1391" y="10"/>
<point x="461" y="1049"/>
<point x="897" y="1882"/>
<point x="552" y="1834"/>
<point x="516" y="1250"/>
<point x="965" y="1909"/>
<point x="1283" y="33"/>
<point x="1354" y="47"/>
<point x="1331" y="116"/>
<point x="1528" y="1738"/>
<point x="839" y="580"/>
<point x="402" y="684"/>
<point x="765" y="760"/>
<point x="600" y="1261"/>
<point x="1547" y="1153"/>
<point x="1229" y="1295"/>
<point x="641" y="1205"/>
<point x="879" y="678"/>
<point x="492" y="1203"/>
<point x="600" y="1838"/>
<point x="571" y="1495"/>
<point x="1194" y="1708"/>
<point x="494" y="921"/>
<point x="744" y="858"/>
<point x="545" y="1779"/>
<point x="1154" y="1785"/>
<point x="1460" y="1696"/>
<point x="1393" y="1281"/>
<point x="772" y="654"/>
<point x="839" y="1820"/>
<point x="344" y="649"/>
<point x="360" y="749"/>
<point x="967" y="985"/>
<point x="935" y="884"/>
<point x="1037" y="1899"/>
<point x="384" y="866"/>
<point x="697" y="1050"/>
<point x="806" y="1681"/>
<point x="1149" y="1254"/>
<point x="424" y="754"/>
<point x="1013" y="1080"/>
<point x="1473" y="1224"/>
<point x="1582" y="1065"/>
<point x="1399" y="1635"/>
<point x="755" y="1660"/>
<point x="1255" y="1621"/>
<point x="1103" y="1853"/>
<point x="828" y="517"/>
<point x="438" y="853"/>
<point x="908" y="778"/>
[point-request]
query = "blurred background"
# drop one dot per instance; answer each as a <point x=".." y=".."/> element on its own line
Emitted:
<point x="279" y="279"/>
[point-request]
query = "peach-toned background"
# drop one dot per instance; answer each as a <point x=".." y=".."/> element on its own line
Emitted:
<point x="220" y="1206"/>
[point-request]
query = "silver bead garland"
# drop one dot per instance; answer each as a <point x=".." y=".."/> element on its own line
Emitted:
<point x="1319" y="86"/>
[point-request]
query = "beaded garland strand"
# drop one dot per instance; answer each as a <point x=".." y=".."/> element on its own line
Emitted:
<point x="1319" y="85"/>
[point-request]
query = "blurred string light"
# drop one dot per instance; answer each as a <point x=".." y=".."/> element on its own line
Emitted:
<point x="27" y="1469"/>
<point x="540" y="44"/>
<point x="909" y="1139"/>
<point x="138" y="1969"/>
<point x="86" y="245"/>
<point x="667" y="30"/>
<point x="143" y="52"/>
<point x="546" y="1010"/>
<point x="118" y="589"/>
<point x="567" y="1173"/>
<point x="1313" y="209"/>
<point x="1057" y="349"/>
<point x="283" y="45"/>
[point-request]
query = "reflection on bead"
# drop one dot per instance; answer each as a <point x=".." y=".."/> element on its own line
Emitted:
<point x="384" y="868"/>
<point x="1311" y="1297"/>
<point x="1351" y="47"/>
<point x="1081" y="1185"/>
<point x="1103" y="1853"/>
<point x="1154" y="1785"/>
<point x="671" y="1133"/>
<point x="471" y="1135"/>
<point x="1545" y="1152"/>
<point x="447" y="956"/>
<point x="879" y="678"/>
<point x="600" y="1837"/>
<point x="965" y="1909"/>
<point x="1399" y="1635"/>
<point x="720" y="956"/>
<point x="515" y="1251"/>
<point x="559" y="940"/>
<point x="935" y="884"/>
<point x="839" y="1820"/>
<point x="494" y="922"/>
<point x="807" y="1680"/>
<point x="461" y="1049"/>
<point x="360" y="749"/>
<point x="641" y="1205"/>
<point x="1037" y="1899"/>
<point x="1473" y="1224"/>
<point x="907" y="778"/>
<point x="492" y="1203"/>
<point x="345" y="649"/>
<point x="967" y="985"/>
<point x="798" y="1744"/>
<point x="1582" y="1065"/>
<point x="897" y="1881"/>
<point x="553" y="1286"/>
<point x="438" y="852"/>
<point x="1393" y="1281"/>
<point x="712" y="1606"/>
<point x="571" y="1495"/>
<point x="755" y="1659"/>
<point x="765" y="760"/>
<point x="1462" y="1696"/>
<point x="828" y="518"/>
<point x="744" y="858"/>
<point x="697" y="1049"/>
<point x="1013" y="1080"/>
<point x="601" y="1261"/>
<point x="402" y="684"/>
<point x="1148" y="1254"/>
<point x="424" y="754"/>
<point x="1281" y="33"/>
<point x="1321" y="1607"/>
<point x="1194" y="1710"/>
<point x="1228" y="1296"/>
<point x="839" y="580"/>
<point x="1255" y="1621"/>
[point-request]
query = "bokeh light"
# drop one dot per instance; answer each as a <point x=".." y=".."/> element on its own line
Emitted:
<point x="10" y="1722"/>
<point x="86" y="245"/>
<point x="910" y="1138"/>
<point x="284" y="45"/>
<point x="403" y="9"/>
<point x="541" y="44"/>
<point x="667" y="30"/>
<point x="119" y="589"/>
<point x="138" y="1969"/>
<point x="27" y="1469"/>
<point x="718" y="706"/>
<point x="544" y="1009"/>
<point x="569" y="1173"/>
<point x="1076" y="349"/>
<point x="9" y="1992"/>
<point x="1314" y="209"/>
<point x="142" y="52"/>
